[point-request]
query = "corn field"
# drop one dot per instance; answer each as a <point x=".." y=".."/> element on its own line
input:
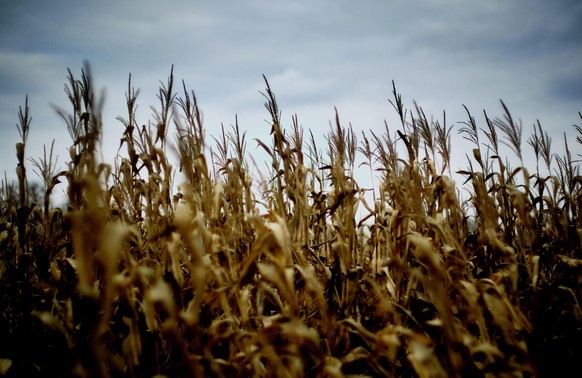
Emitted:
<point x="208" y="266"/>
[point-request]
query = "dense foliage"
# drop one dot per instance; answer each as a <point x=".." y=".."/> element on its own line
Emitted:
<point x="295" y="271"/>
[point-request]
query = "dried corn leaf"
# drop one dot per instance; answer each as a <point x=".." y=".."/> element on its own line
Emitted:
<point x="424" y="360"/>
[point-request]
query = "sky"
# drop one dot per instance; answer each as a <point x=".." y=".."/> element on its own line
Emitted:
<point x="317" y="55"/>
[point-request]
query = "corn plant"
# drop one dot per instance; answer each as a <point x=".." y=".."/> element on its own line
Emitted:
<point x="176" y="258"/>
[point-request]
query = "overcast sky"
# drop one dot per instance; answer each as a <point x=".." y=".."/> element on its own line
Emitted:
<point x="316" y="55"/>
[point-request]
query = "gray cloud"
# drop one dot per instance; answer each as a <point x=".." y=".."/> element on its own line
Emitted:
<point x="315" y="54"/>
